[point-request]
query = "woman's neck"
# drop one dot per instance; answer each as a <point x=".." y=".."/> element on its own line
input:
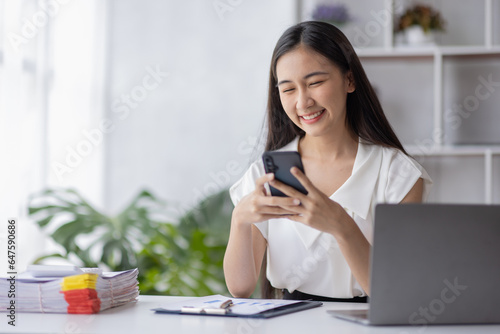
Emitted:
<point x="332" y="146"/>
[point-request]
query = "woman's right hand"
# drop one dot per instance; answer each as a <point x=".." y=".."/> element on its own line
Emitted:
<point x="259" y="206"/>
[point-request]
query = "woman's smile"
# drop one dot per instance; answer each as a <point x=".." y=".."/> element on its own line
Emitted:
<point x="312" y="117"/>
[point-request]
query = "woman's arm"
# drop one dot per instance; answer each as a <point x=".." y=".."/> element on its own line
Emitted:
<point x="243" y="259"/>
<point x="415" y="195"/>
<point x="356" y="249"/>
<point x="246" y="246"/>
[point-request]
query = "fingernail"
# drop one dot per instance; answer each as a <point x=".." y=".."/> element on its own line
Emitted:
<point x="296" y="202"/>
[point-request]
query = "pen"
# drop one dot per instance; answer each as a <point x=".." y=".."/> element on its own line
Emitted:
<point x="222" y="309"/>
<point x="227" y="304"/>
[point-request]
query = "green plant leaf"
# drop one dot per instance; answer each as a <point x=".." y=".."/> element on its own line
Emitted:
<point x="183" y="257"/>
<point x="54" y="255"/>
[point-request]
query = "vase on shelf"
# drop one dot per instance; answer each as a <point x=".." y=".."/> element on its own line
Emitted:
<point x="418" y="25"/>
<point x="416" y="36"/>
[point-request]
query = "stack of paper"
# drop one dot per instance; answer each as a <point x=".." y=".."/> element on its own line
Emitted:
<point x="88" y="292"/>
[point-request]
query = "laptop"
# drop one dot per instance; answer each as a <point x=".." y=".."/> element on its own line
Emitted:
<point x="433" y="264"/>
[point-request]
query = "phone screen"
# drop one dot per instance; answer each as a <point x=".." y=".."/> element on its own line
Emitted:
<point x="280" y="163"/>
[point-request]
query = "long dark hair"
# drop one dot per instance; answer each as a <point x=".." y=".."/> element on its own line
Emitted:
<point x="364" y="117"/>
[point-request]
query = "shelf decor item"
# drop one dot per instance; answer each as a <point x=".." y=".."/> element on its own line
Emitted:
<point x="336" y="14"/>
<point x="419" y="23"/>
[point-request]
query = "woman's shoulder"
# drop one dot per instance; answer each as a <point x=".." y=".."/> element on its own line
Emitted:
<point x="391" y="155"/>
<point x="399" y="171"/>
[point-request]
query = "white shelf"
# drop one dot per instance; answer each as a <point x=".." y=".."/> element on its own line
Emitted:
<point x="447" y="150"/>
<point x="437" y="56"/>
<point x="427" y="51"/>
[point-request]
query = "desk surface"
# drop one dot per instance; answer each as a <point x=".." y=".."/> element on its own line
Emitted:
<point x="138" y="318"/>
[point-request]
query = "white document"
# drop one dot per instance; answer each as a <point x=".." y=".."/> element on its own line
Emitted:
<point x="243" y="306"/>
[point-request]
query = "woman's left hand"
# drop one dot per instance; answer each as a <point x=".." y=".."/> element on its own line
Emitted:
<point x="316" y="210"/>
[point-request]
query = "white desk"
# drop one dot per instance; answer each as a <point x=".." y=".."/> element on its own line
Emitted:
<point x="138" y="318"/>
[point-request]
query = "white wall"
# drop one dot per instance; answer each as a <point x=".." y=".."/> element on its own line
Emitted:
<point x="194" y="133"/>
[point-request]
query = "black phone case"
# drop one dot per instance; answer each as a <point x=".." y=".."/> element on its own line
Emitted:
<point x="280" y="163"/>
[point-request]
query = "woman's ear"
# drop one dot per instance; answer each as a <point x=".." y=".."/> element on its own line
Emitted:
<point x="351" y="85"/>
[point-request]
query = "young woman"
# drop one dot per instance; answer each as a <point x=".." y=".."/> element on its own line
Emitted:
<point x="322" y="105"/>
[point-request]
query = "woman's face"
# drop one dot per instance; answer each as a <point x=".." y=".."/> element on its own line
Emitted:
<point x="313" y="91"/>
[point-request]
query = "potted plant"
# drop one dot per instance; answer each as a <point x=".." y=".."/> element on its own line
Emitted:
<point x="419" y="23"/>
<point x="336" y="14"/>
<point x="181" y="257"/>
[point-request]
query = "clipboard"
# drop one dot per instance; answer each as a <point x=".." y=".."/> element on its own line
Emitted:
<point x="241" y="307"/>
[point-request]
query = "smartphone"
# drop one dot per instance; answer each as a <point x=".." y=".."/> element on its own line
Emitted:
<point x="280" y="163"/>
